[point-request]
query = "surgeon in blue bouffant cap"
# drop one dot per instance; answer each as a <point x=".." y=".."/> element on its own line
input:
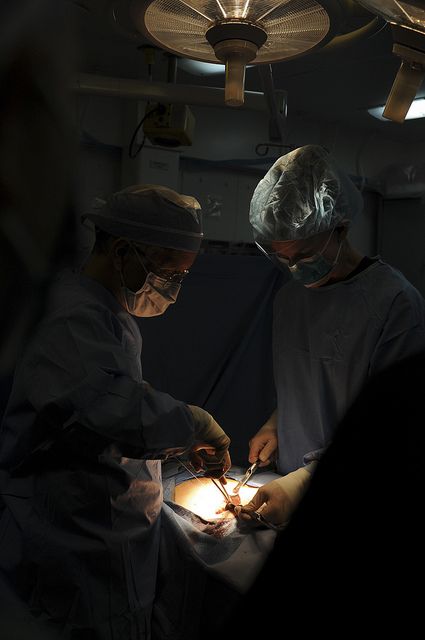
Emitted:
<point x="83" y="435"/>
<point x="340" y="318"/>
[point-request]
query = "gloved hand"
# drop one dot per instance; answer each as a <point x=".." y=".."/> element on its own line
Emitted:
<point x="210" y="451"/>
<point x="277" y="499"/>
<point x="263" y="445"/>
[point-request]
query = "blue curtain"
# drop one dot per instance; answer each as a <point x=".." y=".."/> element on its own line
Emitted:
<point x="213" y="347"/>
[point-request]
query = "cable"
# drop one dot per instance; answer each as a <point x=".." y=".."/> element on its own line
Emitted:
<point x="159" y="108"/>
<point x="149" y="53"/>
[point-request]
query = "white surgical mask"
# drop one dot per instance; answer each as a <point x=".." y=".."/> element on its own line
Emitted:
<point x="153" y="298"/>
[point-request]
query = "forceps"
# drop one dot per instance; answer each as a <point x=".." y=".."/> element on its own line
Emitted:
<point x="246" y="477"/>
<point x="224" y="492"/>
<point x="255" y="515"/>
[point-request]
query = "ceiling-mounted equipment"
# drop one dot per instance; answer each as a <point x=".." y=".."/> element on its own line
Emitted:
<point x="407" y="20"/>
<point x="235" y="43"/>
<point x="236" y="32"/>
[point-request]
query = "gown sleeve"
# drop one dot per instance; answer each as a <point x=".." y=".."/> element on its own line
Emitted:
<point x="80" y="380"/>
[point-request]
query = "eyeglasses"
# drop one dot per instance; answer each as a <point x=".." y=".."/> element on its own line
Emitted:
<point x="272" y="255"/>
<point x="174" y="277"/>
<point x="276" y="256"/>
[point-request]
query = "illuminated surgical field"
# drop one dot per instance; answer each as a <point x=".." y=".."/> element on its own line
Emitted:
<point x="202" y="497"/>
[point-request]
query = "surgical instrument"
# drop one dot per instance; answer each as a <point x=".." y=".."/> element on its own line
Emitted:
<point x="255" y="515"/>
<point x="246" y="477"/>
<point x="229" y="499"/>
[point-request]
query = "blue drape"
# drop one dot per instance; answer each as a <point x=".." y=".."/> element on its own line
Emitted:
<point x="213" y="347"/>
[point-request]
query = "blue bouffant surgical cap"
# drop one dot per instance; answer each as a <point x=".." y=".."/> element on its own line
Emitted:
<point x="302" y="194"/>
<point x="151" y="214"/>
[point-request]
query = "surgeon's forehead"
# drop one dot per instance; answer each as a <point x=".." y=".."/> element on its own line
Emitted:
<point x="299" y="245"/>
<point x="168" y="257"/>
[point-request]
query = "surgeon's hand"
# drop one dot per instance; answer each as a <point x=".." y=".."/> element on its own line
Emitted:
<point x="277" y="500"/>
<point x="263" y="446"/>
<point x="210" y="451"/>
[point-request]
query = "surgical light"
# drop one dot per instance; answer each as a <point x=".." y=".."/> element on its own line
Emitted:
<point x="407" y="20"/>
<point x="234" y="32"/>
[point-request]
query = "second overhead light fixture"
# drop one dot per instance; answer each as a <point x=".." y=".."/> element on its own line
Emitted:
<point x="407" y="20"/>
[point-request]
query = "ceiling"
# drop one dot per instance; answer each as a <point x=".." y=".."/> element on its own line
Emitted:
<point x="336" y="84"/>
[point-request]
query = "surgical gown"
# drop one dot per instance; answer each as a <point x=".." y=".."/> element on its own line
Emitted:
<point x="80" y="480"/>
<point x="327" y="342"/>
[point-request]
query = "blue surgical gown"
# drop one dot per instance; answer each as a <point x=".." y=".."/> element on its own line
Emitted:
<point x="327" y="342"/>
<point x="80" y="470"/>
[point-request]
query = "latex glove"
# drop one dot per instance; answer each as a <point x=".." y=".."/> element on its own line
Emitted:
<point x="210" y="451"/>
<point x="263" y="446"/>
<point x="277" y="499"/>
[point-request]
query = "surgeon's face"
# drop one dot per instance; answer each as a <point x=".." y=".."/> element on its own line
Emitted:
<point x="171" y="264"/>
<point x="295" y="250"/>
<point x="315" y="260"/>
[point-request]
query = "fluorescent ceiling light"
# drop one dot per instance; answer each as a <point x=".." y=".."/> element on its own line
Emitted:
<point x="417" y="110"/>
<point x="199" y="68"/>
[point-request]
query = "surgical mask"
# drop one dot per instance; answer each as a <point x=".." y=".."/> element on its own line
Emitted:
<point x="153" y="298"/>
<point x="307" y="271"/>
<point x="310" y="271"/>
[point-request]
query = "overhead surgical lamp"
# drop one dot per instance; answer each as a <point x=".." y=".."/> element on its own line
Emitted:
<point x="238" y="33"/>
<point x="235" y="33"/>
<point x="407" y="21"/>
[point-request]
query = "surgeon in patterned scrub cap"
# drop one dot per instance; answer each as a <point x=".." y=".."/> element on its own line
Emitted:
<point x="339" y="319"/>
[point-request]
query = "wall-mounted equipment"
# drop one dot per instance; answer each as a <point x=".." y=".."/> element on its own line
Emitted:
<point x="407" y="20"/>
<point x="169" y="125"/>
<point x="164" y="124"/>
